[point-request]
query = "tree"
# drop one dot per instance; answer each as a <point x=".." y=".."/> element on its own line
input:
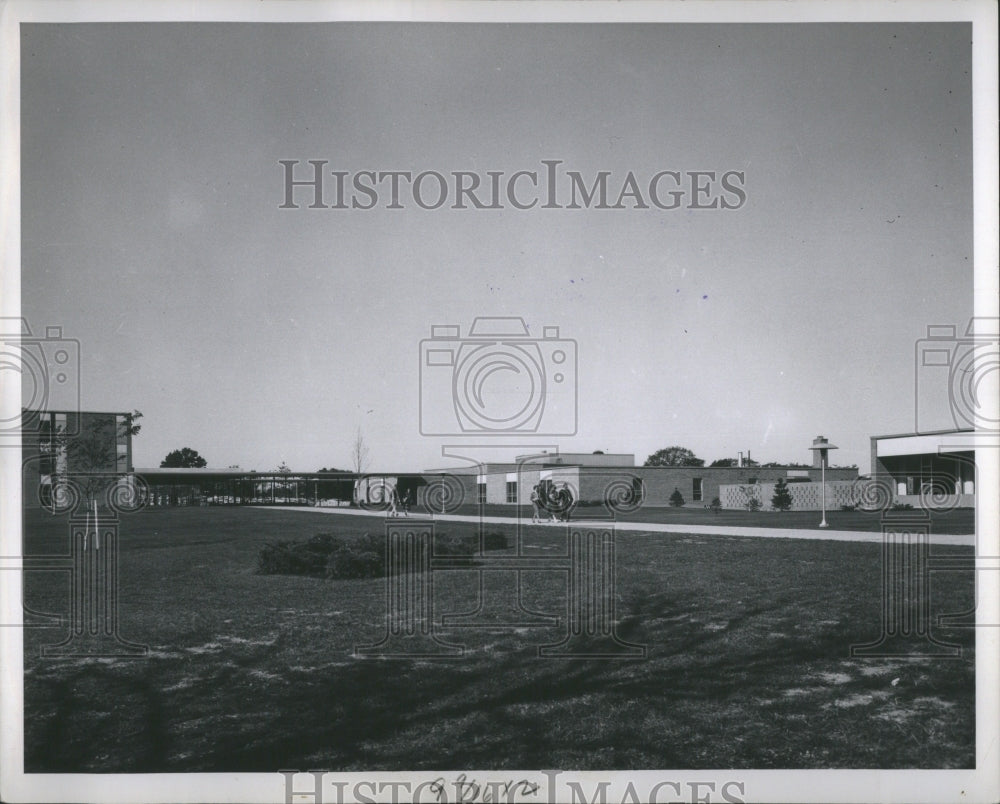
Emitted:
<point x="733" y="462"/>
<point x="92" y="454"/>
<point x="185" y="458"/>
<point x="782" y="498"/>
<point x="677" y="499"/>
<point x="359" y="452"/>
<point x="130" y="426"/>
<point x="281" y="486"/>
<point x="673" y="456"/>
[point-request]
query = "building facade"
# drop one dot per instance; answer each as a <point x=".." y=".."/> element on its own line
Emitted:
<point x="594" y="479"/>
<point x="915" y="468"/>
<point x="93" y="448"/>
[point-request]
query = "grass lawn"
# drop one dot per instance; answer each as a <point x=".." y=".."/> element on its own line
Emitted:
<point x="748" y="662"/>
<point x="956" y="521"/>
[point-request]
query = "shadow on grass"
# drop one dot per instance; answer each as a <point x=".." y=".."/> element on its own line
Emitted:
<point x="492" y="711"/>
<point x="748" y="667"/>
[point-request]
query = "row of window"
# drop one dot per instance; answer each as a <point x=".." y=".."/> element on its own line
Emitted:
<point x="53" y="439"/>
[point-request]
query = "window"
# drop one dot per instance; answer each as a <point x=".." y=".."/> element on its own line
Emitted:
<point x="512" y="491"/>
<point x="696" y="489"/>
<point x="481" y="493"/>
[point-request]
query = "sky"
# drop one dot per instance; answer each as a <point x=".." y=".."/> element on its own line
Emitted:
<point x="152" y="231"/>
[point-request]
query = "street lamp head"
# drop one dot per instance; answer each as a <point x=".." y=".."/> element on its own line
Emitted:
<point x="823" y="446"/>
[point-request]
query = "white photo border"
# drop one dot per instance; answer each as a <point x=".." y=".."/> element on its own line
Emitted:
<point x="978" y="785"/>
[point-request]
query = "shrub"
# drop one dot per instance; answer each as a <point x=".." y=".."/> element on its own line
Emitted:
<point x="495" y="540"/>
<point x="354" y="561"/>
<point x="848" y="507"/>
<point x="445" y="545"/>
<point x="324" y="555"/>
<point x="677" y="499"/>
<point x="715" y="505"/>
<point x="902" y="507"/>
<point x="297" y="558"/>
<point x="329" y="556"/>
<point x="753" y="504"/>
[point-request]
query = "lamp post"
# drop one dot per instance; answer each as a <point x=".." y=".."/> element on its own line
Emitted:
<point x="821" y="448"/>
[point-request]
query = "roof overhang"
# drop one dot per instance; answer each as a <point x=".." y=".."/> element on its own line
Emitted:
<point x="930" y="444"/>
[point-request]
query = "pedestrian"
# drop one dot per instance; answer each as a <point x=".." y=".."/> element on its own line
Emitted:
<point x="407" y="501"/>
<point x="393" y="502"/>
<point x="536" y="505"/>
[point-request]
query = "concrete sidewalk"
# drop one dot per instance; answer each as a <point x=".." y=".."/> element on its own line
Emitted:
<point x="654" y="527"/>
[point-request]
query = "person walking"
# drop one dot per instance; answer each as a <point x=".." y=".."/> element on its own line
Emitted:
<point x="407" y="501"/>
<point x="536" y="505"/>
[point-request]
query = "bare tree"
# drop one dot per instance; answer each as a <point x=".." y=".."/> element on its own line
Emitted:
<point x="359" y="452"/>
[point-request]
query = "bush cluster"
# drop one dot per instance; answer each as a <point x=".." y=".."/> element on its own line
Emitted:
<point x="330" y="556"/>
<point x="363" y="557"/>
<point x="297" y="557"/>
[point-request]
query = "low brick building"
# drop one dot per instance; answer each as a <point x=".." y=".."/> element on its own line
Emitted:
<point x="593" y="477"/>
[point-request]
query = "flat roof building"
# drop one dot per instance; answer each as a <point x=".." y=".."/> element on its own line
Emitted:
<point x="917" y="466"/>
